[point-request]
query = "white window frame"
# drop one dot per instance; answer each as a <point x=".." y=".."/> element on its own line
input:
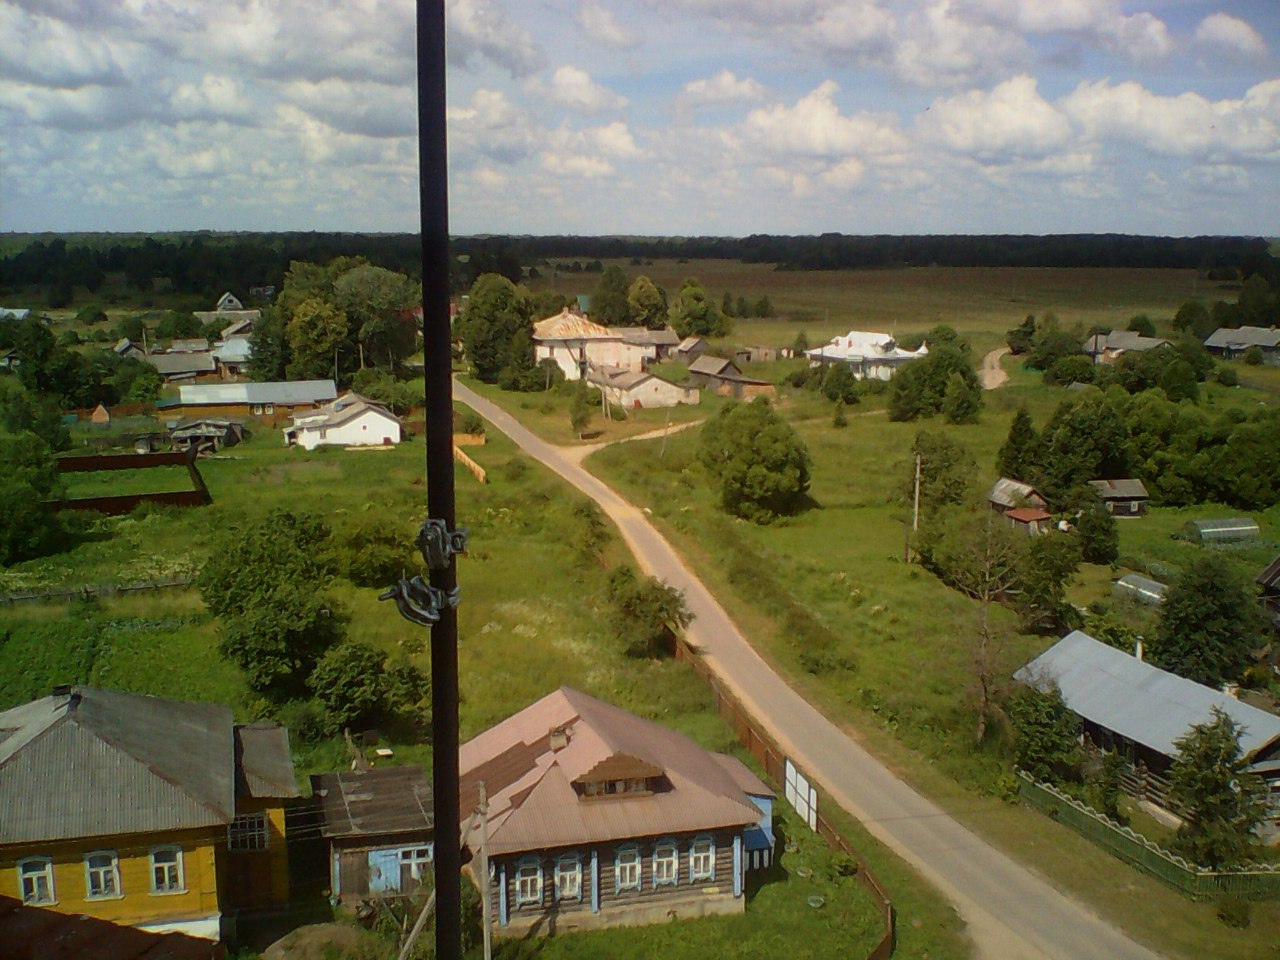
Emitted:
<point x="110" y="873"/>
<point x="528" y="869"/>
<point x="702" y="857"/>
<point x="419" y="860"/>
<point x="171" y="868"/>
<point x="249" y="831"/>
<point x="256" y="409"/>
<point x="631" y="851"/>
<point x="666" y="863"/>
<point x="569" y="877"/>
<point x="43" y="870"/>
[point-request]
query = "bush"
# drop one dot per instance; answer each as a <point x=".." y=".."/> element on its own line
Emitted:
<point x="1228" y="377"/>
<point x="757" y="460"/>
<point x="1253" y="356"/>
<point x="471" y="422"/>
<point x="1235" y="912"/>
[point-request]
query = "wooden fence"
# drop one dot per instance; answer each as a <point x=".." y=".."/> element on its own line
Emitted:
<point x="120" y="504"/>
<point x="753" y="736"/>
<point x="477" y="471"/>
<point x="93" y="590"/>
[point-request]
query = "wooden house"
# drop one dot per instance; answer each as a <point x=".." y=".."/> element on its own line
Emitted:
<point x="1139" y="711"/>
<point x="597" y="817"/>
<point x="1231" y="343"/>
<point x="1124" y="497"/>
<point x="380" y="828"/>
<point x="1110" y="347"/>
<point x="155" y="813"/>
<point x="690" y="349"/>
<point x="270" y="400"/>
<point x="1006" y="495"/>
<point x="634" y="389"/>
<point x="723" y="377"/>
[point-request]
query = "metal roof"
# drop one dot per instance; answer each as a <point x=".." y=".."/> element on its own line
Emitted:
<point x="1139" y="701"/>
<point x="385" y="800"/>
<point x="264" y="766"/>
<point x="712" y="366"/>
<point x="568" y="325"/>
<point x="281" y="392"/>
<point x="1270" y="575"/>
<point x="173" y="364"/>
<point x="46" y="934"/>
<point x="616" y="377"/>
<point x="1241" y="338"/>
<point x="1013" y="493"/>
<point x="189" y="345"/>
<point x="530" y="779"/>
<point x="1230" y="528"/>
<point x="1128" y="488"/>
<point x="100" y="762"/>
<point x="643" y="336"/>
<point x="234" y="350"/>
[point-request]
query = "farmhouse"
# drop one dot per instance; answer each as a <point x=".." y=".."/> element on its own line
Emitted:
<point x="723" y="378"/>
<point x="379" y="825"/>
<point x="575" y="343"/>
<point x="1129" y="706"/>
<point x="634" y="389"/>
<point x="599" y="818"/>
<point x="238" y="400"/>
<point x="1110" y="347"/>
<point x="1230" y="344"/>
<point x="230" y="311"/>
<point x="231" y="357"/>
<point x="872" y="356"/>
<point x="1122" y="497"/>
<point x="175" y="367"/>
<point x="350" y="421"/>
<point x="155" y="813"/>
<point x="1006" y="495"/>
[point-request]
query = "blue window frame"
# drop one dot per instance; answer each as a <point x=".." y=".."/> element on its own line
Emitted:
<point x="702" y="858"/>
<point x="626" y="868"/>
<point x="666" y="863"/>
<point x="529" y="882"/>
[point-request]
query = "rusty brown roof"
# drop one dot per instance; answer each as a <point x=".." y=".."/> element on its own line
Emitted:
<point x="35" y="933"/>
<point x="532" y="800"/>
<point x="567" y="325"/>
<point x="385" y="800"/>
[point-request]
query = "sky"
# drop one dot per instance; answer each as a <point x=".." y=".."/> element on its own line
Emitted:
<point x="652" y="117"/>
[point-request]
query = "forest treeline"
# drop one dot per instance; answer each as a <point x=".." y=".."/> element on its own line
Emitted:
<point x="207" y="263"/>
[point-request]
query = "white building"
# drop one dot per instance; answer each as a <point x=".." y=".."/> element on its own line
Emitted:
<point x="872" y="356"/>
<point x="576" y="343"/>
<point x="350" y="421"/>
<point x="634" y="388"/>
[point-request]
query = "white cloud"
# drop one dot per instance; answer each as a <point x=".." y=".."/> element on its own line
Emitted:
<point x="815" y="127"/>
<point x="493" y="127"/>
<point x="1227" y="33"/>
<point x="724" y="87"/>
<point x="1013" y="120"/>
<point x="367" y="108"/>
<point x="55" y="54"/>
<point x="599" y="23"/>
<point x="573" y="88"/>
<point x="940" y="47"/>
<point x="481" y="29"/>
<point x="1142" y="37"/>
<point x="214" y="97"/>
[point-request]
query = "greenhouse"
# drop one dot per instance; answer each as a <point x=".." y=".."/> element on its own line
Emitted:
<point x="1140" y="588"/>
<point x="1233" y="530"/>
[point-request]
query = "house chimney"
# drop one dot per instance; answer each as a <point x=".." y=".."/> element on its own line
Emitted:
<point x="1232" y="690"/>
<point x="1137" y="649"/>
<point x="559" y="737"/>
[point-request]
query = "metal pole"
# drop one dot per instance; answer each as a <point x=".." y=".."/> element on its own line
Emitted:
<point x="486" y="906"/>
<point x="915" y="512"/>
<point x="433" y="192"/>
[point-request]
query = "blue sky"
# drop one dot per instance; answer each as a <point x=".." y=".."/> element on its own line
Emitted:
<point x="647" y="116"/>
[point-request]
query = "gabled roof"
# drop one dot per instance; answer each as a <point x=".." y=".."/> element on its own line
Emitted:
<point x="93" y="762"/>
<point x="1270" y="575"/>
<point x="1137" y="700"/>
<point x="189" y="345"/>
<point x="176" y="364"/>
<point x="240" y="326"/>
<point x="643" y="336"/>
<point x="689" y="343"/>
<point x="1241" y="338"/>
<point x="1014" y="493"/>
<point x="532" y="801"/>
<point x="263" y="765"/>
<point x="385" y="800"/>
<point x="1128" y="488"/>
<point x="233" y="350"/>
<point x="713" y="366"/>
<point x="1028" y="514"/>
<point x="1122" y="340"/>
<point x="281" y="392"/>
<point x="619" y="378"/>
<point x="229" y="301"/>
<point x="568" y="325"/>
<point x="344" y="409"/>
<point x="226" y="316"/>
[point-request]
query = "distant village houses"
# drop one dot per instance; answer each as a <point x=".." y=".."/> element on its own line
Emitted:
<point x="1230" y="344"/>
<point x="871" y="356"/>
<point x="349" y="421"/>
<point x="575" y="343"/>
<point x="1110" y="347"/>
<point x="272" y="400"/>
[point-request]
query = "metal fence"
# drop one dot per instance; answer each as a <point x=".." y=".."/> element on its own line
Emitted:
<point x="1253" y="882"/>
<point x="753" y="736"/>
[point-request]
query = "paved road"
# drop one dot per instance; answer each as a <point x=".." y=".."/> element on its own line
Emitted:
<point x="1011" y="913"/>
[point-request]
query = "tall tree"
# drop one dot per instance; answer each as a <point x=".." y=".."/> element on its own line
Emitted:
<point x="946" y="471"/>
<point x="1086" y="438"/>
<point x="378" y="304"/>
<point x="609" y="304"/>
<point x="269" y="356"/>
<point x="1019" y="456"/>
<point x="1209" y="623"/>
<point x="692" y="313"/>
<point x="495" y="311"/>
<point x="647" y="610"/>
<point x="757" y="460"/>
<point x="1219" y="800"/>
<point x="962" y="401"/>
<point x="1044" y="733"/>
<point x="316" y="334"/>
<point x="1048" y="567"/>
<point x="647" y="303"/>
<point x="28" y="480"/>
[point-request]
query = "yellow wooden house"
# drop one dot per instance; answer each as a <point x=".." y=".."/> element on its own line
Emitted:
<point x="160" y="814"/>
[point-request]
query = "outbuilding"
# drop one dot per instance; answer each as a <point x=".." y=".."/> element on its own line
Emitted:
<point x="1134" y="586"/>
<point x="1125" y="497"/>
<point x="634" y="389"/>
<point x="1229" y="530"/>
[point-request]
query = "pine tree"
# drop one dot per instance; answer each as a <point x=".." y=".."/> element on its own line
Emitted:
<point x="1019" y="456"/>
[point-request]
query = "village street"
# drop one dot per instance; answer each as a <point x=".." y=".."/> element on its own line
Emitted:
<point x="1011" y="913"/>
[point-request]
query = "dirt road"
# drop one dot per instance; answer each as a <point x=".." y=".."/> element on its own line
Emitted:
<point x="993" y="374"/>
<point x="1011" y="913"/>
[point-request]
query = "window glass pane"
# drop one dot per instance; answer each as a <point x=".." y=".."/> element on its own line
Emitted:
<point x="37" y="880"/>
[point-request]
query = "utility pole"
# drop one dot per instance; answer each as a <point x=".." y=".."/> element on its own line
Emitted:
<point x="486" y="907"/>
<point x="665" y="430"/>
<point x="915" y="511"/>
<point x="433" y="195"/>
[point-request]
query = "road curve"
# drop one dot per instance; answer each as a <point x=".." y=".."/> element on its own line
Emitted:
<point x="1011" y="913"/>
<point x="993" y="374"/>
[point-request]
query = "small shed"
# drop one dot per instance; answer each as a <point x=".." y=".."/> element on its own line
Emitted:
<point x="1126" y="497"/>
<point x="1032" y="521"/>
<point x="1141" y="589"/>
<point x="380" y="827"/>
<point x="1230" y="530"/>
<point x="1005" y="494"/>
<point x="100" y="416"/>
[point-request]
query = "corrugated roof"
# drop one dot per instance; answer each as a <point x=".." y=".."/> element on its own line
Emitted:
<point x="100" y="762"/>
<point x="1137" y="700"/>
<point x="1128" y="488"/>
<point x="712" y="366"/>
<point x="189" y="345"/>
<point x="385" y="800"/>
<point x="281" y="392"/>
<point x="617" y="377"/>
<point x="643" y="336"/>
<point x="1013" y="493"/>
<point x="1241" y="338"/>
<point x="347" y="407"/>
<point x="173" y="364"/>
<point x="534" y="805"/>
<point x="568" y="325"/>
<point x="264" y="765"/>
<point x="1270" y="575"/>
<point x="234" y="350"/>
<point x="1027" y="514"/>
